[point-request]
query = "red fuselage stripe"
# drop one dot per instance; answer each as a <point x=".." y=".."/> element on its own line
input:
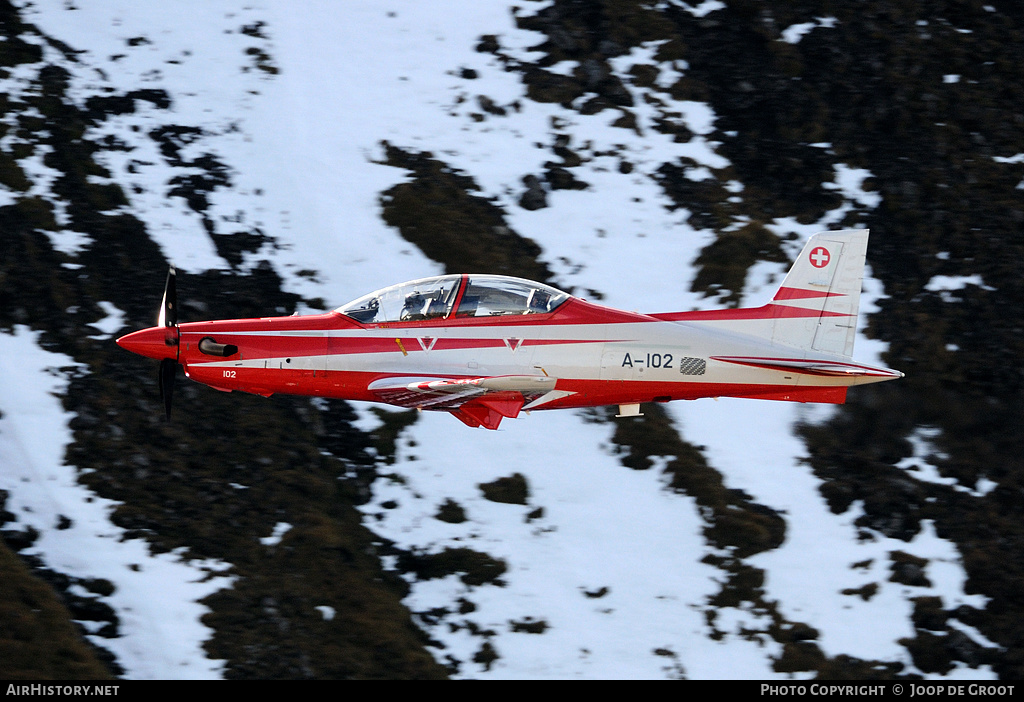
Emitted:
<point x="769" y="311"/>
<point x="803" y="294"/>
<point x="273" y="346"/>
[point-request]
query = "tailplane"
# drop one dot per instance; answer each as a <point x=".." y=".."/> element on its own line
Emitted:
<point x="816" y="307"/>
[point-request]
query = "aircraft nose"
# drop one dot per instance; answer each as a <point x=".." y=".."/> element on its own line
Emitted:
<point x="155" y="342"/>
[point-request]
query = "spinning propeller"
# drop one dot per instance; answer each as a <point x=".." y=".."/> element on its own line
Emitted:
<point x="160" y="342"/>
<point x="168" y="319"/>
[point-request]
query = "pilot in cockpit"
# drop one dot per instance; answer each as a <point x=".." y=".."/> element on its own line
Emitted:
<point x="423" y="305"/>
<point x="539" y="302"/>
<point x="367" y="313"/>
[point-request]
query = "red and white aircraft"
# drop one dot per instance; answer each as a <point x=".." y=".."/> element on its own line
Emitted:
<point x="485" y="347"/>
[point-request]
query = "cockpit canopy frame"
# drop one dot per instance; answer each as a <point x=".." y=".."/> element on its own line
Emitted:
<point x="460" y="296"/>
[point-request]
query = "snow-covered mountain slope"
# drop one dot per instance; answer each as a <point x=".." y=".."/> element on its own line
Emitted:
<point x="256" y="137"/>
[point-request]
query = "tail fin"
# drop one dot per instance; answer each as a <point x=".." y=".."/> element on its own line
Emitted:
<point x="816" y="307"/>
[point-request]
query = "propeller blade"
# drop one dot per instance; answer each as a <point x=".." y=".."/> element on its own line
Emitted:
<point x="168" y="319"/>
<point x="169" y="305"/>
<point x="168" y="367"/>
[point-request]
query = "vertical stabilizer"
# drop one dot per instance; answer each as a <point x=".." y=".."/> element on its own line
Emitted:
<point x="817" y="305"/>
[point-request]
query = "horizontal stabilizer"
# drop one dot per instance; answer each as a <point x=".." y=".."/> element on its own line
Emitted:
<point x="812" y="367"/>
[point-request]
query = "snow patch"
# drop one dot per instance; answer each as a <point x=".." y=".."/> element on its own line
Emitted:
<point x="794" y="33"/>
<point x="280" y="529"/>
<point x="157" y="596"/>
<point x="111" y="324"/>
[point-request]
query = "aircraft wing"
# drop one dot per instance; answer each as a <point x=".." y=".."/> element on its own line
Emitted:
<point x="475" y="401"/>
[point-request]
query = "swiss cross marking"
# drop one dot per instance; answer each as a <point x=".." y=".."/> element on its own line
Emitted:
<point x="820" y="257"/>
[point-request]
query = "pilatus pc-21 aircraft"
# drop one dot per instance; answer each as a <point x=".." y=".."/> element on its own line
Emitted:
<point x="486" y="347"/>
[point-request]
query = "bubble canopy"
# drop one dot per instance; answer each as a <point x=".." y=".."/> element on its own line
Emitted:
<point x="445" y="296"/>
